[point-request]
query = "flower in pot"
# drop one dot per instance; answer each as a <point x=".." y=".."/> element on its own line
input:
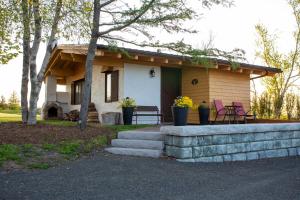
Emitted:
<point x="203" y="110"/>
<point x="128" y="104"/>
<point x="180" y="110"/>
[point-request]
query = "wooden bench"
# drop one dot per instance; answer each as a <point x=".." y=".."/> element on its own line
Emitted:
<point x="147" y="111"/>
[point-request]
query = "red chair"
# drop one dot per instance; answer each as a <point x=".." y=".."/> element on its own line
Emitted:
<point x="220" y="109"/>
<point x="240" y="111"/>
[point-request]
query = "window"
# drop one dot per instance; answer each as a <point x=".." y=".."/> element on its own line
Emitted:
<point x="111" y="86"/>
<point x="76" y="92"/>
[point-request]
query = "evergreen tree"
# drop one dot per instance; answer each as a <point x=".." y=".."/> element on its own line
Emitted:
<point x="13" y="101"/>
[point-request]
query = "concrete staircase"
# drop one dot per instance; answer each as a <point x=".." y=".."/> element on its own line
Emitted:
<point x="138" y="143"/>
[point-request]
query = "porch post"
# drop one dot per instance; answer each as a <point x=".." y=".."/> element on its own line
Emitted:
<point x="50" y="88"/>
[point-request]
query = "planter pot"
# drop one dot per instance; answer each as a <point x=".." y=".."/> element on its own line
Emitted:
<point x="180" y="116"/>
<point x="203" y="116"/>
<point x="127" y="115"/>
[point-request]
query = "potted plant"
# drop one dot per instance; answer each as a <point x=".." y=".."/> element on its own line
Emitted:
<point x="203" y="110"/>
<point x="180" y="110"/>
<point x="128" y="104"/>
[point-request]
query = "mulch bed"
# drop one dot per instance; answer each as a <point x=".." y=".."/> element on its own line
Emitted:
<point x="17" y="133"/>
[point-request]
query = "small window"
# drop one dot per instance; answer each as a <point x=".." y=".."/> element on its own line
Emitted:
<point x="111" y="86"/>
<point x="76" y="92"/>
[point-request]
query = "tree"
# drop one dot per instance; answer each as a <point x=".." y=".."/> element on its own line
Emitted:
<point x="3" y="104"/>
<point x="36" y="79"/>
<point x="279" y="85"/>
<point x="13" y="101"/>
<point x="290" y="100"/>
<point x="114" y="20"/>
<point x="9" y="48"/>
<point x="41" y="20"/>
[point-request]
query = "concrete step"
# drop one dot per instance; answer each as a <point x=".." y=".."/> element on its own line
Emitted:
<point x="141" y="135"/>
<point x="135" y="152"/>
<point x="138" y="144"/>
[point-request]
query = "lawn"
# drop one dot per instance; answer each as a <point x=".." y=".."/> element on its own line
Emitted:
<point x="50" y="142"/>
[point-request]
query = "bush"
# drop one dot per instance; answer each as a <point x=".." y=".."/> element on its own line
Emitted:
<point x="290" y="99"/>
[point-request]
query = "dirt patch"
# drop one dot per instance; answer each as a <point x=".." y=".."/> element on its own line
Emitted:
<point x="17" y="133"/>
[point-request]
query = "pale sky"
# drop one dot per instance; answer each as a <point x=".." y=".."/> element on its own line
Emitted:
<point x="231" y="28"/>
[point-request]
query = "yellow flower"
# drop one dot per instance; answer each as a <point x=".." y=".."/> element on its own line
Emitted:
<point x="183" y="102"/>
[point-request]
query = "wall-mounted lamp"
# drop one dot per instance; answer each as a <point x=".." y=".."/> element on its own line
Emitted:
<point x="195" y="81"/>
<point x="152" y="73"/>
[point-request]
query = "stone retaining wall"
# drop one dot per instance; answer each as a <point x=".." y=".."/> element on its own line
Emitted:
<point x="237" y="142"/>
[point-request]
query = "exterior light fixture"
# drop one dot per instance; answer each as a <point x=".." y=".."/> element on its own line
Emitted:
<point x="195" y="81"/>
<point x="152" y="73"/>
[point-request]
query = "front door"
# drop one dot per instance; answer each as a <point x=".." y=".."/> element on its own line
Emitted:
<point x="170" y="89"/>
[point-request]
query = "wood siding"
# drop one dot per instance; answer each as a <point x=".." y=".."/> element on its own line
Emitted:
<point x="228" y="87"/>
<point x="213" y="84"/>
<point x="198" y="92"/>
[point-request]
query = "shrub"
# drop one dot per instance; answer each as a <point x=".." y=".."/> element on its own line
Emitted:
<point x="290" y="99"/>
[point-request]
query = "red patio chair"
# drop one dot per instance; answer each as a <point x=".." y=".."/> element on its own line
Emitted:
<point x="240" y="111"/>
<point x="220" y="109"/>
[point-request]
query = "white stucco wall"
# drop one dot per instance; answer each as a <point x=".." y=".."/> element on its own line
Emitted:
<point x="144" y="89"/>
<point x="98" y="91"/>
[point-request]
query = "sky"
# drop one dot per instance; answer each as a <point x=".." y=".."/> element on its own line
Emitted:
<point x="230" y="28"/>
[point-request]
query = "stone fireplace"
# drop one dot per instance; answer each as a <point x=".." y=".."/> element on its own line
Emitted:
<point x="51" y="110"/>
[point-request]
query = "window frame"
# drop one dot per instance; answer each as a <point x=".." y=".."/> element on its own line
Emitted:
<point x="74" y="97"/>
<point x="114" y="90"/>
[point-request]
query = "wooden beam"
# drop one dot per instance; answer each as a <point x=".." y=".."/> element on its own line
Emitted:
<point x="227" y="68"/>
<point x="53" y="63"/>
<point x="73" y="57"/>
<point x="99" y="53"/>
<point x="151" y="59"/>
<point x="239" y="70"/>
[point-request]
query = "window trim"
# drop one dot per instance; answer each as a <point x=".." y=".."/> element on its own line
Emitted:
<point x="73" y="92"/>
<point x="117" y="84"/>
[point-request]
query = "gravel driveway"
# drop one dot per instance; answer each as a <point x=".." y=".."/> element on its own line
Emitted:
<point x="110" y="177"/>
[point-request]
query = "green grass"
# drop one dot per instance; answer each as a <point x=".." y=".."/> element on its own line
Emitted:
<point x="5" y="117"/>
<point x="57" y="122"/>
<point x="6" y="111"/>
<point x="11" y="117"/>
<point x="69" y="147"/>
<point x="94" y="143"/>
<point x="29" y="150"/>
<point x="38" y="166"/>
<point x="49" y="147"/>
<point x="9" y="152"/>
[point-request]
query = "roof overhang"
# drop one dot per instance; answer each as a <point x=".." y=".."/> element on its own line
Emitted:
<point x="68" y="54"/>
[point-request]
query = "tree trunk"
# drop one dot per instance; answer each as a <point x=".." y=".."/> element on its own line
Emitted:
<point x="33" y="54"/>
<point x="26" y="61"/>
<point x="37" y="80"/>
<point x="89" y="67"/>
<point x="278" y="106"/>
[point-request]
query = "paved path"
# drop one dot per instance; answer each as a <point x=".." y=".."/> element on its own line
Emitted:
<point x="112" y="177"/>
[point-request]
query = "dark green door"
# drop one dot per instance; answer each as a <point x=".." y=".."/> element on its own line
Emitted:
<point x="170" y="89"/>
